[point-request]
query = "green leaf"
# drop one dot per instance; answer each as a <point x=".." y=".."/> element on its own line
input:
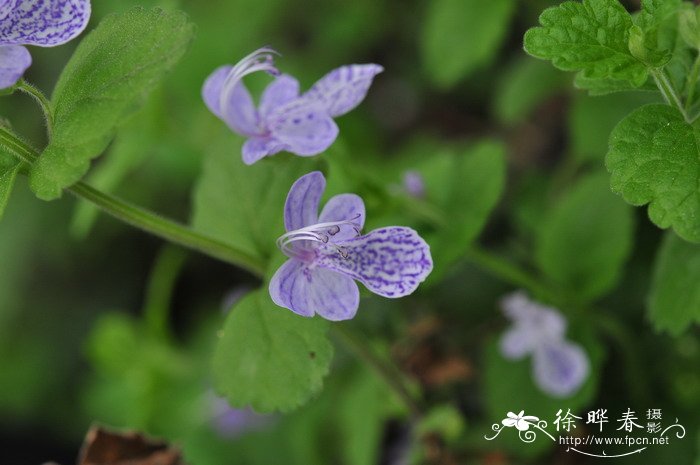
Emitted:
<point x="689" y="25"/>
<point x="9" y="167"/>
<point x="526" y="84"/>
<point x="106" y="80"/>
<point x="269" y="357"/>
<point x="591" y="37"/>
<point x="475" y="179"/>
<point x="461" y="35"/>
<point x="586" y="239"/>
<point x="592" y="119"/>
<point x="674" y="300"/>
<point x="653" y="158"/>
<point x="647" y="40"/>
<point x="244" y="205"/>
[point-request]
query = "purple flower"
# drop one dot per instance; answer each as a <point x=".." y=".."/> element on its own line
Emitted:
<point x="45" y="23"/>
<point x="232" y="422"/>
<point x="327" y="254"/>
<point x="559" y="367"/>
<point x="285" y="120"/>
<point x="413" y="184"/>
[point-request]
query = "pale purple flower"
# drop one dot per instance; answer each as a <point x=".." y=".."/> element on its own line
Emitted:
<point x="285" y="120"/>
<point x="560" y="367"/>
<point x="328" y="253"/>
<point x="233" y="422"/>
<point x="45" y="23"/>
<point x="413" y="184"/>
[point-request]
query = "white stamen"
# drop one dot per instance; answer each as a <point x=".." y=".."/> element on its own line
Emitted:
<point x="260" y="60"/>
<point x="319" y="232"/>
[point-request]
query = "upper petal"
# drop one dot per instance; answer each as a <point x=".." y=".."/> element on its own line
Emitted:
<point x="238" y="111"/>
<point x="301" y="207"/>
<point x="6" y="7"/>
<point x="14" y="60"/>
<point x="309" y="290"/>
<point x="279" y="92"/>
<point x="344" y="88"/>
<point x="391" y="261"/>
<point x="303" y="126"/>
<point x="344" y="207"/>
<point x="44" y="22"/>
<point x="561" y="368"/>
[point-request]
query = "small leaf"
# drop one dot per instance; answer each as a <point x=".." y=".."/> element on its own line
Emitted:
<point x="653" y="158"/>
<point x="9" y="167"/>
<point x="689" y="25"/>
<point x="591" y="37"/>
<point x="527" y="83"/>
<point x="475" y="179"/>
<point x="270" y="358"/>
<point x="111" y="72"/>
<point x="674" y="300"/>
<point x="586" y="239"/>
<point x="592" y="119"/>
<point x="244" y="205"/>
<point x="461" y="35"/>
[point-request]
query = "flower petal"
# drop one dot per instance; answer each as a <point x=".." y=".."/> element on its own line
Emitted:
<point x="517" y="343"/>
<point x="301" y="207"/>
<point x="256" y="148"/>
<point x="560" y="368"/>
<point x="6" y="7"/>
<point x="344" y="88"/>
<point x="544" y="323"/>
<point x="391" y="261"/>
<point x="344" y="207"/>
<point x="278" y="93"/>
<point x="305" y="128"/>
<point x="239" y="112"/>
<point x="307" y="291"/>
<point x="45" y="23"/>
<point x="14" y="60"/>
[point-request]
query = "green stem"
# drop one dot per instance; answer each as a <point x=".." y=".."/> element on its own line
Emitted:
<point x="391" y="376"/>
<point x="511" y="273"/>
<point x="160" y="288"/>
<point x="668" y="92"/>
<point x="692" y="81"/>
<point x="43" y="102"/>
<point x="140" y="218"/>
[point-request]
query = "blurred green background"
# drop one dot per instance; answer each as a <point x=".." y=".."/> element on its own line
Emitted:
<point x="74" y="283"/>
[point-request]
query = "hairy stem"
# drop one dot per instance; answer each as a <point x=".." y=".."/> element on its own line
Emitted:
<point x="140" y="218"/>
<point x="387" y="373"/>
<point x="43" y="102"/>
<point x="691" y="83"/>
<point x="668" y="91"/>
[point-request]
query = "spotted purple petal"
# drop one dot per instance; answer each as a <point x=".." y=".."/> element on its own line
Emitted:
<point x="279" y="92"/>
<point x="344" y="88"/>
<point x="305" y="129"/>
<point x="239" y="113"/>
<point x="308" y="290"/>
<point x="14" y="60"/>
<point x="5" y="7"/>
<point x="344" y="207"/>
<point x="301" y="207"/>
<point x="560" y="368"/>
<point x="390" y="261"/>
<point x="45" y="23"/>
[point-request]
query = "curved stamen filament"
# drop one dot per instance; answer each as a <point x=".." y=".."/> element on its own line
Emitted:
<point x="260" y="60"/>
<point x="319" y="233"/>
